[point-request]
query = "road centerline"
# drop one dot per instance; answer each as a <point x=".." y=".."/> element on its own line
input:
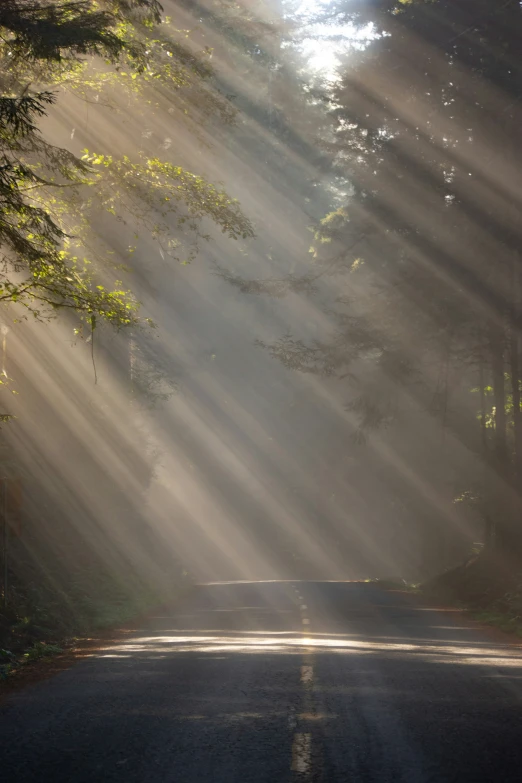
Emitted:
<point x="302" y="753"/>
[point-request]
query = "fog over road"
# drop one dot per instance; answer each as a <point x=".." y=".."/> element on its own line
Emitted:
<point x="278" y="681"/>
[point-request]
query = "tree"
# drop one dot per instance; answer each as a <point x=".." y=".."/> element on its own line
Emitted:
<point x="427" y="244"/>
<point x="45" y="191"/>
<point x="421" y="134"/>
<point x="69" y="224"/>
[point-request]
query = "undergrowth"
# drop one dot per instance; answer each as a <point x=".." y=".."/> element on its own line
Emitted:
<point x="490" y="592"/>
<point x="394" y="584"/>
<point x="39" y="620"/>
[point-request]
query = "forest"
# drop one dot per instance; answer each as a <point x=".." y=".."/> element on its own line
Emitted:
<point x="261" y="292"/>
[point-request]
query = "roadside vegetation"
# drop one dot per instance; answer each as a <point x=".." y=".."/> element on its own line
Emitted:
<point x="483" y="588"/>
<point x="41" y="621"/>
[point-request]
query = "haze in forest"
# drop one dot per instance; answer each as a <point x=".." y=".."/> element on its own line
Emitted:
<point x="333" y="394"/>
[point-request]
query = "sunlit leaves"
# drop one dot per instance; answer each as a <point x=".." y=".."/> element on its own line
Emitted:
<point x="167" y="200"/>
<point x="48" y="195"/>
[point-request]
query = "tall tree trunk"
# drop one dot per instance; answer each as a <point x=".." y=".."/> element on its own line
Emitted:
<point x="483" y="429"/>
<point x="489" y="531"/>
<point x="497" y="348"/>
<point x="514" y="344"/>
<point x="489" y="525"/>
<point x="508" y="531"/>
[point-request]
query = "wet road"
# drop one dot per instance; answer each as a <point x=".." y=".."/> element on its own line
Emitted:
<point x="278" y="681"/>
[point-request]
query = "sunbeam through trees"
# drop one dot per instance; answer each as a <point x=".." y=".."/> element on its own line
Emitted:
<point x="261" y="295"/>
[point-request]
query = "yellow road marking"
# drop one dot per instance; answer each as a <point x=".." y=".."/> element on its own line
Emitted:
<point x="302" y="741"/>
<point x="302" y="753"/>
<point x="307" y="674"/>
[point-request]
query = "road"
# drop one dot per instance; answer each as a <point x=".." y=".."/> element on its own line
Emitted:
<point x="278" y="681"/>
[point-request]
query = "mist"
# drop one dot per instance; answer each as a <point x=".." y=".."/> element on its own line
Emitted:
<point x="188" y="448"/>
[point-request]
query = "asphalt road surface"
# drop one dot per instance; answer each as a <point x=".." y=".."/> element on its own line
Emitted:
<point x="278" y="681"/>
